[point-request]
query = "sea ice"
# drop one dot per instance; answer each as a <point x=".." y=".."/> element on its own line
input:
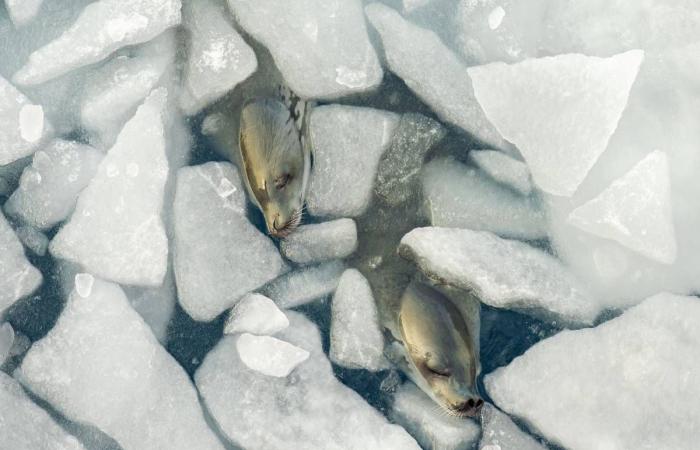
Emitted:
<point x="218" y="57"/>
<point x="256" y="314"/>
<point x="559" y="111"/>
<point x="50" y="186"/>
<point x="399" y="166"/>
<point x="25" y="426"/>
<point x="7" y="337"/>
<point x="33" y="239"/>
<point x="500" y="272"/>
<point x="356" y="338"/>
<point x="304" y="285"/>
<point x="456" y="195"/>
<point x="498" y="432"/>
<point x="504" y="169"/>
<point x="23" y="124"/>
<point x="433" y="429"/>
<point x="635" y="210"/>
<point x="18" y="278"/>
<point x="219" y="255"/>
<point x="308" y="409"/>
<point x="113" y="92"/>
<point x="268" y="355"/>
<point x="348" y="142"/>
<point x="634" y="378"/>
<point x="116" y="231"/>
<point x="22" y="11"/>
<point x="314" y="243"/>
<point x="433" y="72"/>
<point x="102" y="28"/>
<point x="101" y="365"/>
<point x="321" y="48"/>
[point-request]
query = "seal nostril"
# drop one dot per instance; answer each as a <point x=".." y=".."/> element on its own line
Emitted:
<point x="479" y="403"/>
<point x="470" y="403"/>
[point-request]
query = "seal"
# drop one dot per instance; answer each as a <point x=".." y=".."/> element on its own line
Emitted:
<point x="275" y="163"/>
<point x="440" y="346"/>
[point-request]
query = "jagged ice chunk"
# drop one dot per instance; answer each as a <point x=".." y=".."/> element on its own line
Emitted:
<point x="256" y="314"/>
<point x="313" y="243"/>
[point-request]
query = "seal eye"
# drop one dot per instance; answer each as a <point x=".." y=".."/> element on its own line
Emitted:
<point x="282" y="181"/>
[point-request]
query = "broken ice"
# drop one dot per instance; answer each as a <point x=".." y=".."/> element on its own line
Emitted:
<point x="268" y="355"/>
<point x="312" y="243"/>
<point x="304" y="285"/>
<point x="504" y="169"/>
<point x="18" y="277"/>
<point x="256" y="314"/>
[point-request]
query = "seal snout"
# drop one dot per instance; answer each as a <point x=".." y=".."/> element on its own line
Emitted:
<point x="469" y="407"/>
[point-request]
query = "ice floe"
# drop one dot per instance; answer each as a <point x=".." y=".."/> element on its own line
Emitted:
<point x="256" y="314"/>
<point x="268" y="355"/>
<point x="304" y="285"/>
<point x="504" y="169"/>
<point x="314" y="243"/>
<point x="18" y="278"/>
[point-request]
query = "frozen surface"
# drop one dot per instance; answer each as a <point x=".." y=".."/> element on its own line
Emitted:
<point x="559" y="111"/>
<point x="460" y="196"/>
<point x="18" y="278"/>
<point x="356" y="338"/>
<point x="321" y="47"/>
<point x="504" y="169"/>
<point x="502" y="273"/>
<point x="400" y="165"/>
<point x="33" y="239"/>
<point x="102" y="365"/>
<point x="432" y="71"/>
<point x="432" y="428"/>
<point x="114" y="91"/>
<point x="304" y="285"/>
<point x="498" y="432"/>
<point x="50" y="186"/>
<point x="218" y="57"/>
<point x="23" y="125"/>
<point x="634" y="376"/>
<point x="22" y="11"/>
<point x="268" y="355"/>
<point x="7" y="338"/>
<point x="256" y="314"/>
<point x="25" y="426"/>
<point x="103" y="27"/>
<point x="116" y="231"/>
<point x="635" y="210"/>
<point x="346" y="137"/>
<point x="308" y="409"/>
<point x="219" y="255"/>
<point x="313" y="243"/>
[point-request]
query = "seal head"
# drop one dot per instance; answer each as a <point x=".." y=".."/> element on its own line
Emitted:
<point x="275" y="163"/>
<point x="441" y="352"/>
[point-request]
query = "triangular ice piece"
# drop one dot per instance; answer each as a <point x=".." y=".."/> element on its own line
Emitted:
<point x="635" y="210"/>
<point x="559" y="111"/>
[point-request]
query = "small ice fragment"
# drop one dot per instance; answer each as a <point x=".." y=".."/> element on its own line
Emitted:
<point x="269" y="355"/>
<point x="256" y="314"/>
<point x="83" y="284"/>
<point x="18" y="277"/>
<point x="225" y="188"/>
<point x="31" y="122"/>
<point x="33" y="239"/>
<point x="319" y="242"/>
<point x="504" y="169"/>
<point x="22" y="11"/>
<point x="496" y="17"/>
<point x="304" y="285"/>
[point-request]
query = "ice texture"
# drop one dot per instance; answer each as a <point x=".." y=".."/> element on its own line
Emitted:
<point x="25" y="426"/>
<point x="559" y="111"/>
<point x="321" y="47"/>
<point x="498" y="432"/>
<point x="256" y="314"/>
<point x="114" y="91"/>
<point x="116" y="231"/>
<point x="50" y="186"/>
<point x="399" y="168"/>
<point x="501" y="273"/>
<point x="219" y="255"/>
<point x="18" y="278"/>
<point x="22" y="11"/>
<point x="304" y="285"/>
<point x="460" y="196"/>
<point x="348" y="142"/>
<point x="33" y="239"/>
<point x="102" y="28"/>
<point x="7" y="338"/>
<point x="635" y="210"/>
<point x="218" y="57"/>
<point x="23" y="124"/>
<point x="314" y="243"/>
<point x="504" y="169"/>
<point x="433" y="72"/>
<point x="101" y="365"/>
<point x="268" y="355"/>
<point x="432" y="428"/>
<point x="308" y="409"/>
<point x="357" y="341"/>
<point x="633" y="376"/>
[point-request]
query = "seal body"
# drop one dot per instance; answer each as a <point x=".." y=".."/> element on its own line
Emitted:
<point x="275" y="163"/>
